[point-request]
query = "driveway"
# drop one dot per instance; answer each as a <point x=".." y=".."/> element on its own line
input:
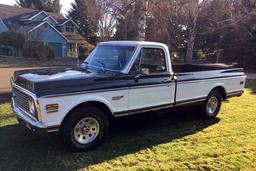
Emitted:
<point x="251" y="76"/>
<point x="5" y="76"/>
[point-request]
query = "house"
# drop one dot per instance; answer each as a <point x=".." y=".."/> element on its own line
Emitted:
<point x="54" y="30"/>
<point x="3" y="27"/>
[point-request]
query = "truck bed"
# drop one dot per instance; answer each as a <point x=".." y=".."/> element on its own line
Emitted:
<point x="181" y="68"/>
<point x="194" y="81"/>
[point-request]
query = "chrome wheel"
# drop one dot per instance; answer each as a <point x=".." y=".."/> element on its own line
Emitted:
<point x="212" y="105"/>
<point x="86" y="130"/>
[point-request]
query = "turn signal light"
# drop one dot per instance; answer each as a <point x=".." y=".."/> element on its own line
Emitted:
<point x="50" y="108"/>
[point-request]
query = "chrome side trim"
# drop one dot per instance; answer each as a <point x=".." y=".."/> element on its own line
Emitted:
<point x="181" y="103"/>
<point x="135" y="87"/>
<point x="148" y="86"/>
<point x="106" y="90"/>
<point x="235" y="93"/>
<point x="209" y="79"/>
<point x="84" y="92"/>
<point x="53" y="130"/>
<point x="136" y="111"/>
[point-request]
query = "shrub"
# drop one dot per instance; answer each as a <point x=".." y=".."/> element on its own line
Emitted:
<point x="38" y="51"/>
<point x="13" y="38"/>
<point x="4" y="50"/>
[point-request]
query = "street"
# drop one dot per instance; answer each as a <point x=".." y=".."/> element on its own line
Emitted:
<point x="5" y="76"/>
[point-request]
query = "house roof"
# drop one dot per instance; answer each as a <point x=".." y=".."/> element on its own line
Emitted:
<point x="15" y="13"/>
<point x="45" y="22"/>
<point x="28" y="27"/>
<point x="77" y="38"/>
<point x="7" y="12"/>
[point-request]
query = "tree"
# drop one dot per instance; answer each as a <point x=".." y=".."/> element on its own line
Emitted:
<point x="226" y="30"/>
<point x="13" y="38"/>
<point x="168" y="22"/>
<point x="46" y="5"/>
<point x="130" y="17"/>
<point x="141" y="10"/>
<point x="189" y="27"/>
<point x="86" y="14"/>
<point x="107" y="23"/>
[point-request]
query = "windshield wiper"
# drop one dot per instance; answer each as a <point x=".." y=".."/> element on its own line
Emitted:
<point x="103" y="66"/>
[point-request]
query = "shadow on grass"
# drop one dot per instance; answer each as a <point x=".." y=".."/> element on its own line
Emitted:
<point x="251" y="85"/>
<point x="21" y="149"/>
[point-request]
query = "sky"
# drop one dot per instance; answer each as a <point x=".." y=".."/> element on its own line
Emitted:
<point x="65" y="4"/>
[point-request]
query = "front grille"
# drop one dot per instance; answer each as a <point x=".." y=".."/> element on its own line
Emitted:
<point x="21" y="100"/>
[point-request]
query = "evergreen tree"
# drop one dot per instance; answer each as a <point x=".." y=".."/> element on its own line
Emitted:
<point x="85" y="14"/>
<point x="46" y="5"/>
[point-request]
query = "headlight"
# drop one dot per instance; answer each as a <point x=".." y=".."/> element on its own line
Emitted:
<point x="32" y="109"/>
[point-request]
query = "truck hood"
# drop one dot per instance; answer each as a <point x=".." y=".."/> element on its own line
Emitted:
<point x="43" y="82"/>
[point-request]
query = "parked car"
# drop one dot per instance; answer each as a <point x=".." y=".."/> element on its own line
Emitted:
<point x="119" y="78"/>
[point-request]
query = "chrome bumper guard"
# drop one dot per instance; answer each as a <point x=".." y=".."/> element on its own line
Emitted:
<point x="28" y="122"/>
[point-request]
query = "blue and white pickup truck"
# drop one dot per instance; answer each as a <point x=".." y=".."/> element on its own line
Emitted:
<point x="119" y="78"/>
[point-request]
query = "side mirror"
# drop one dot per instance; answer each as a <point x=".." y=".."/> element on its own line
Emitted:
<point x="84" y="64"/>
<point x="138" y="74"/>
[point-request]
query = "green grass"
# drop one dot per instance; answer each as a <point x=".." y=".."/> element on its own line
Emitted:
<point x="169" y="141"/>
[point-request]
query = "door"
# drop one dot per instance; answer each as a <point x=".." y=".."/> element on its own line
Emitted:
<point x="56" y="48"/>
<point x="151" y="85"/>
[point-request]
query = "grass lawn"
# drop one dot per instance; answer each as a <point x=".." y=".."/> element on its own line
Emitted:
<point x="171" y="141"/>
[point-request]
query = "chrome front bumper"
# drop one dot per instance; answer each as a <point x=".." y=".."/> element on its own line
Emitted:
<point x="28" y="122"/>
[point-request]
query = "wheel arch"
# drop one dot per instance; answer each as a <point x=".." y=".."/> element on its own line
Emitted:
<point x="221" y="89"/>
<point x="92" y="103"/>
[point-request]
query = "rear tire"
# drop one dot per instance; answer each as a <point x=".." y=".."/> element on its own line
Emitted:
<point x="85" y="129"/>
<point x="212" y="105"/>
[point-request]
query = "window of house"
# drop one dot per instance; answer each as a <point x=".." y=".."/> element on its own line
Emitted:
<point x="70" y="27"/>
<point x="150" y="61"/>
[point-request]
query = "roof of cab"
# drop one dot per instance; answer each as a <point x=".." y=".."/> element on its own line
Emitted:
<point x="132" y="43"/>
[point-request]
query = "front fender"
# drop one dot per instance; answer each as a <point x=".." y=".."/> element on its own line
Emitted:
<point x="66" y="104"/>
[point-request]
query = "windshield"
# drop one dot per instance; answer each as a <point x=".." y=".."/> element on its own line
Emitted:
<point x="111" y="57"/>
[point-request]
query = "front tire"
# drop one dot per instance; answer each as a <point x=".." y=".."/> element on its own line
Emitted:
<point x="212" y="105"/>
<point x="85" y="129"/>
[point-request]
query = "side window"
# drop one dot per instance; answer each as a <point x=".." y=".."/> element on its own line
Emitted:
<point x="136" y="65"/>
<point x="150" y="61"/>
